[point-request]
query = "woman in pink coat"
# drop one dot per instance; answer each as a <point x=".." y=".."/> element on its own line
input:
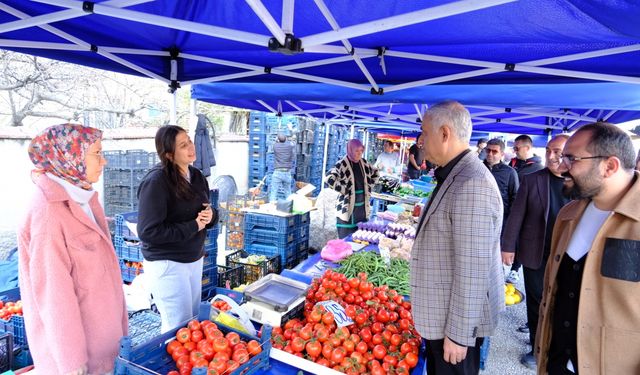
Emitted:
<point x="70" y="283"/>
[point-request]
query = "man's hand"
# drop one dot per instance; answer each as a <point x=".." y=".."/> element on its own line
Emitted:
<point x="507" y="258"/>
<point x="453" y="353"/>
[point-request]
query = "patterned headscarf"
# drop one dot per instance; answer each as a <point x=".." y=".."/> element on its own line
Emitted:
<point x="60" y="150"/>
<point x="352" y="146"/>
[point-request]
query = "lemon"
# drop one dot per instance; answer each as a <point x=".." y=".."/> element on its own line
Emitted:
<point x="516" y="298"/>
<point x="510" y="288"/>
<point x="509" y="300"/>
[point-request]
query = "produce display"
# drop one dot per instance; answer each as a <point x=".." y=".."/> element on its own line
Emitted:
<point x="388" y="184"/>
<point x="405" y="190"/>
<point x="202" y="344"/>
<point x="398" y="248"/>
<point x="135" y="265"/>
<point x="235" y="240"/>
<point x="221" y="305"/>
<point x="395" y="230"/>
<point x="9" y="309"/>
<point x="381" y="340"/>
<point x="373" y="226"/>
<point x="395" y="275"/>
<point x="367" y="237"/>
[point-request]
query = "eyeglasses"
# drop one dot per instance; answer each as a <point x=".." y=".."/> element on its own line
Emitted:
<point x="570" y="159"/>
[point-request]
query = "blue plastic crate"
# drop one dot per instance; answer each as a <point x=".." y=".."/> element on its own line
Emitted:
<point x="152" y="357"/>
<point x="112" y="209"/>
<point x="212" y="236"/>
<point x="121" y="220"/>
<point x="256" y="221"/>
<point x="144" y="325"/>
<point x="209" y="277"/>
<point x="15" y="324"/>
<point x="303" y="219"/>
<point x="214" y="195"/>
<point x="129" y="273"/>
<point x="260" y="146"/>
<point x="257" y="137"/>
<point x="6" y="352"/>
<point x="123" y="177"/>
<point x="133" y="159"/>
<point x="268" y="237"/>
<point x="121" y="195"/>
<point x="287" y="253"/>
<point x="209" y="259"/>
<point x="127" y="249"/>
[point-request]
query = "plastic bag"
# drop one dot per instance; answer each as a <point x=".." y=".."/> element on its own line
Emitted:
<point x="235" y="318"/>
<point x="336" y="250"/>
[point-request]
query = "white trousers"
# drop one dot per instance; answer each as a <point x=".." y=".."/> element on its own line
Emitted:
<point x="176" y="289"/>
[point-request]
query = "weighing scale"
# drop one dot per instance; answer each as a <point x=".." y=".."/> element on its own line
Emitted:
<point x="274" y="299"/>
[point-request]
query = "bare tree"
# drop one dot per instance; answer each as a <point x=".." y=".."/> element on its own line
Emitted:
<point x="38" y="87"/>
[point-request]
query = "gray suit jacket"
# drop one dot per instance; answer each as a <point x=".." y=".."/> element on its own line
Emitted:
<point x="457" y="281"/>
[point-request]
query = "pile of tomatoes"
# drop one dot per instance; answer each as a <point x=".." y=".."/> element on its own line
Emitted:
<point x="382" y="339"/>
<point x="9" y="309"/>
<point x="202" y="344"/>
<point x="221" y="305"/>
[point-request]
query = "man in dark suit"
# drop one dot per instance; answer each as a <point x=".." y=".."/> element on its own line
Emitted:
<point x="529" y="228"/>
<point x="457" y="288"/>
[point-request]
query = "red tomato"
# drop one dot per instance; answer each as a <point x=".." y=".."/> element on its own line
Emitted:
<point x="362" y="347"/>
<point x="234" y="338"/>
<point x="254" y="347"/>
<point x="183" y="335"/>
<point x="411" y="359"/>
<point x="297" y="344"/>
<point x="338" y="354"/>
<point x="195" y="356"/>
<point x="201" y="363"/>
<point x="197" y="336"/>
<point x="218" y="365"/>
<point x="220" y="344"/>
<point x="194" y="325"/>
<point x="241" y="356"/>
<point x="174" y="372"/>
<point x="190" y="346"/>
<point x="179" y="352"/>
<point x="186" y="369"/>
<point x="172" y="346"/>
<point x="313" y="348"/>
<point x="182" y="360"/>
<point x="327" y="349"/>
<point x="379" y="351"/>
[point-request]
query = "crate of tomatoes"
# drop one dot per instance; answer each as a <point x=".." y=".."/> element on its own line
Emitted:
<point x="200" y="347"/>
<point x="353" y="327"/>
<point x="11" y="319"/>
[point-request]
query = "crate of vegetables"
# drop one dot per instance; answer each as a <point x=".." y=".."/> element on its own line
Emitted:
<point x="11" y="319"/>
<point x="255" y="266"/>
<point x="195" y="348"/>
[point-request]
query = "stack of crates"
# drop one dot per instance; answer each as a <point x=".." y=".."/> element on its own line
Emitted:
<point x="122" y="176"/>
<point x="269" y="235"/>
<point x="13" y="325"/>
<point x="235" y="219"/>
<point x="129" y="248"/>
<point x="259" y="128"/>
<point x="317" y="157"/>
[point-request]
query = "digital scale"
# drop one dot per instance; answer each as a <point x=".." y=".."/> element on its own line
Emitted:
<point x="274" y="299"/>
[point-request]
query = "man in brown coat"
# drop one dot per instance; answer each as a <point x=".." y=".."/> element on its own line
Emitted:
<point x="529" y="228"/>
<point x="590" y="310"/>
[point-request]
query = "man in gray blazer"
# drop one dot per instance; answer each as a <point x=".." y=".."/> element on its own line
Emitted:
<point x="457" y="282"/>
<point x="529" y="228"/>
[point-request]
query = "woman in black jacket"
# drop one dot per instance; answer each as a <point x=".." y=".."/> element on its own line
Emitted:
<point x="173" y="216"/>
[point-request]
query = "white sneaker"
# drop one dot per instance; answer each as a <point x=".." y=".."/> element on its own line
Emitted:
<point x="513" y="277"/>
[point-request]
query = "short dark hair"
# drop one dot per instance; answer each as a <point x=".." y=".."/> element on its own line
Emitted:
<point x="481" y="140"/>
<point x="387" y="142"/>
<point x="609" y="140"/>
<point x="496" y="142"/>
<point x="524" y="139"/>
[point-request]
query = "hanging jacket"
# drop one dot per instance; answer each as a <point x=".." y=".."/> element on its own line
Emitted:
<point x="205" y="158"/>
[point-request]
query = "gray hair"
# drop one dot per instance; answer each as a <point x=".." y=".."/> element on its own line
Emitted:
<point x="453" y="114"/>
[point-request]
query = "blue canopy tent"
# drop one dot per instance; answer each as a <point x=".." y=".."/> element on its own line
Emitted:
<point x="391" y="48"/>
<point x="536" y="109"/>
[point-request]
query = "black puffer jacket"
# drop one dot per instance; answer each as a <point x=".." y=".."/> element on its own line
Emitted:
<point x="525" y="167"/>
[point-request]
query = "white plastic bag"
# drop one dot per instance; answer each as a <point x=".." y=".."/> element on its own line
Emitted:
<point x="236" y="317"/>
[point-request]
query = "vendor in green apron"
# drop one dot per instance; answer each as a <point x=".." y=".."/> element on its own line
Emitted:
<point x="352" y="177"/>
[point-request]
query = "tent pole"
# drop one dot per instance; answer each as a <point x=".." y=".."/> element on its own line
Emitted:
<point x="400" y="20"/>
<point x="263" y="13"/>
<point x="168" y="22"/>
<point x="352" y="131"/>
<point x="267" y="106"/>
<point x="59" y="15"/>
<point x="288" y="7"/>
<point x="225" y="77"/>
<point x="173" y="113"/>
<point x="325" y="152"/>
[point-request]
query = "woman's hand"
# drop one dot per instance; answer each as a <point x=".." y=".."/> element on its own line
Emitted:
<point x="204" y="217"/>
